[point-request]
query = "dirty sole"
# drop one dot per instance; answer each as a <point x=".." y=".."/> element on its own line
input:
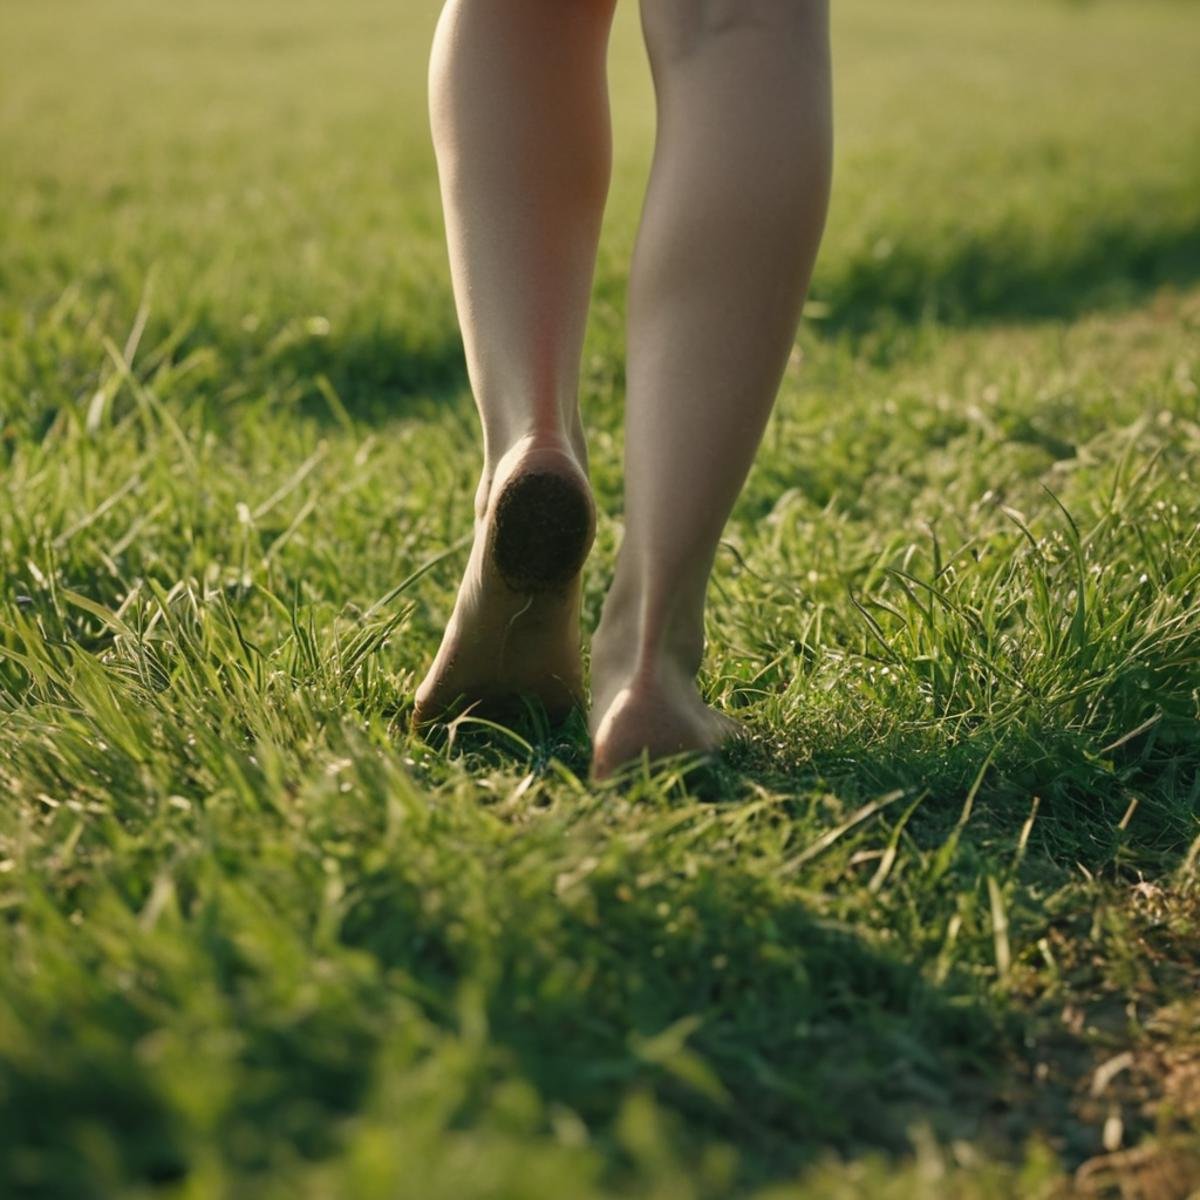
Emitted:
<point x="541" y="531"/>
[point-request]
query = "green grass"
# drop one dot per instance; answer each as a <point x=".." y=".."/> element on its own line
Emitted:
<point x="936" y="933"/>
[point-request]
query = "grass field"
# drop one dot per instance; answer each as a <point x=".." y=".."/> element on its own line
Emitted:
<point x="936" y="934"/>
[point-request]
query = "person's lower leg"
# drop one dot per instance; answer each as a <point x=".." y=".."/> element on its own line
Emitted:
<point x="519" y="111"/>
<point x="733" y="218"/>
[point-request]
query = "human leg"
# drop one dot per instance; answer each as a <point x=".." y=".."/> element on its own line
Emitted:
<point x="519" y="111"/>
<point x="733" y="218"/>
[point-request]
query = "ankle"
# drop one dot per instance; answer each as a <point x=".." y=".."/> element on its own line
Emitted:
<point x="645" y="637"/>
<point x="505" y="439"/>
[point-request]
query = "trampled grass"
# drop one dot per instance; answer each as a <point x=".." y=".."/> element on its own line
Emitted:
<point x="936" y="933"/>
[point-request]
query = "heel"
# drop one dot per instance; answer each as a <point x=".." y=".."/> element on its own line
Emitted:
<point x="542" y="530"/>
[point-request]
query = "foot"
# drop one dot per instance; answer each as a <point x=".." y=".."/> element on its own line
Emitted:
<point x="514" y="631"/>
<point x="659" y="715"/>
<point x="645" y="656"/>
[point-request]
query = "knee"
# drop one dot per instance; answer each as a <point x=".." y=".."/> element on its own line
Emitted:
<point x="677" y="29"/>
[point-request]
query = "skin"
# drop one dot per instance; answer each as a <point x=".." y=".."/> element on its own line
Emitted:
<point x="732" y="221"/>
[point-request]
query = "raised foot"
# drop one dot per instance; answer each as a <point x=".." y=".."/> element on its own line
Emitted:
<point x="659" y="720"/>
<point x="541" y="530"/>
<point x="514" y="631"/>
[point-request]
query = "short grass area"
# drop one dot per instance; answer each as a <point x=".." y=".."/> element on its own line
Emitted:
<point x="936" y="933"/>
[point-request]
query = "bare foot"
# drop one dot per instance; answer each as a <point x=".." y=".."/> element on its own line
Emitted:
<point x="657" y="712"/>
<point x="515" y="627"/>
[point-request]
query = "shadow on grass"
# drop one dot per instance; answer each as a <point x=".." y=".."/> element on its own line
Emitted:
<point x="752" y="1023"/>
<point x="379" y="372"/>
<point x="1130" y="813"/>
<point x="369" y="371"/>
<point x="818" y="1038"/>
<point x="1106" y="265"/>
<point x="760" y="1026"/>
<point x="589" y="972"/>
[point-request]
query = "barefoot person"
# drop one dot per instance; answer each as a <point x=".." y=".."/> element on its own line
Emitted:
<point x="732" y="220"/>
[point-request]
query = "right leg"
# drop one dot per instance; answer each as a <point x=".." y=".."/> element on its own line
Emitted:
<point x="519" y="108"/>
<point x="732" y="221"/>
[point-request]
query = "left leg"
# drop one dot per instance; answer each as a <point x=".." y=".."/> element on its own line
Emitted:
<point x="519" y="107"/>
